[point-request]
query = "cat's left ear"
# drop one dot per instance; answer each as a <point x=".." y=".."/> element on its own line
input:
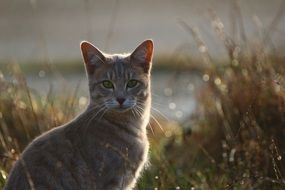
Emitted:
<point x="93" y="57"/>
<point x="142" y="56"/>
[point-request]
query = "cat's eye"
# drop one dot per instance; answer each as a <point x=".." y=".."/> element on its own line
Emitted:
<point x="132" y="83"/>
<point x="107" y="84"/>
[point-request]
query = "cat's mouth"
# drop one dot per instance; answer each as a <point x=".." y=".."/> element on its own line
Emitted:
<point x="122" y="109"/>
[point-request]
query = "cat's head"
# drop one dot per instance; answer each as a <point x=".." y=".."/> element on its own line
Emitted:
<point x="118" y="82"/>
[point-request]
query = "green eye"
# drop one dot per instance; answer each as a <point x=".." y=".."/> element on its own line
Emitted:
<point x="107" y="84"/>
<point x="132" y="83"/>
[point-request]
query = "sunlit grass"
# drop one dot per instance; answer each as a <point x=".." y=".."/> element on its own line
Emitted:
<point x="234" y="140"/>
<point x="24" y="114"/>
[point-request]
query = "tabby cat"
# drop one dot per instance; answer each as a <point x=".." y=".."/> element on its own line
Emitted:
<point x="106" y="146"/>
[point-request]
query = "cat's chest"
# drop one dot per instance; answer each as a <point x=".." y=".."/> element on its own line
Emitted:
<point x="128" y="163"/>
<point x="129" y="146"/>
<point x="132" y="152"/>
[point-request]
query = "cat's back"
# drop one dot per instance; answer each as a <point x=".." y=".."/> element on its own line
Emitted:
<point x="68" y="158"/>
<point x="32" y="161"/>
<point x="47" y="163"/>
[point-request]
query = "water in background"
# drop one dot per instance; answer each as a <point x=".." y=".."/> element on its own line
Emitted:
<point x="51" y="30"/>
<point x="175" y="99"/>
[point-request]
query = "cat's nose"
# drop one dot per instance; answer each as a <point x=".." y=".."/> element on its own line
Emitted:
<point x="121" y="100"/>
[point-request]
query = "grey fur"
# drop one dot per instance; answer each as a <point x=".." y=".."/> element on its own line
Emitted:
<point x="104" y="148"/>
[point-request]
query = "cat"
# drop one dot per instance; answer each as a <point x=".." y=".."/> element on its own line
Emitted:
<point x="106" y="146"/>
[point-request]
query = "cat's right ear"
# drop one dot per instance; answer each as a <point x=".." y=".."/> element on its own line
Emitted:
<point x="92" y="56"/>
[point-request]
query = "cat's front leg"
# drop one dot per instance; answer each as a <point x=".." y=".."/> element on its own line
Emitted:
<point x="115" y="184"/>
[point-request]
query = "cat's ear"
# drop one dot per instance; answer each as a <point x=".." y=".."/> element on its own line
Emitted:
<point x="142" y="56"/>
<point x="92" y="56"/>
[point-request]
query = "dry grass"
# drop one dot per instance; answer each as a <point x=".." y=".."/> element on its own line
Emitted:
<point x="235" y="142"/>
<point x="237" y="133"/>
<point x="24" y="114"/>
<point x="237" y="138"/>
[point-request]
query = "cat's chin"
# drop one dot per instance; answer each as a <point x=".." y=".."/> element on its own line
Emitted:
<point x="121" y="110"/>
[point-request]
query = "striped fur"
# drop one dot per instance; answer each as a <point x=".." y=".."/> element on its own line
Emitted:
<point x="106" y="146"/>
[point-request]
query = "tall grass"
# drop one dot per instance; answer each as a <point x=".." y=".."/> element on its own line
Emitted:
<point x="235" y="139"/>
<point x="24" y="114"/>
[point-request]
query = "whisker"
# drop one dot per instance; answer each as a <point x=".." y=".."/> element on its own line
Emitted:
<point x="89" y="112"/>
<point x="153" y="117"/>
<point x="151" y="128"/>
<point x="160" y="113"/>
<point x="140" y="110"/>
<point x="132" y="110"/>
<point x="104" y="111"/>
<point x="157" y="122"/>
<point x="159" y="104"/>
<point x="102" y="107"/>
<point x="91" y="109"/>
<point x="155" y="95"/>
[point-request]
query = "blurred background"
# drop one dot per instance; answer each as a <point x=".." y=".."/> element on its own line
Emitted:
<point x="37" y="29"/>
<point x="40" y="32"/>
<point x="218" y="88"/>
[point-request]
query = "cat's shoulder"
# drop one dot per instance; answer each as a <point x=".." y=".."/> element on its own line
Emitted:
<point x="46" y="141"/>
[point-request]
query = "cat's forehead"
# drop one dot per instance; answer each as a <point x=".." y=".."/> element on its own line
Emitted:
<point x="117" y="58"/>
<point x="118" y="66"/>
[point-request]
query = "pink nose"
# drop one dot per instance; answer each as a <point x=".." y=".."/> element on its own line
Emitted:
<point x="121" y="100"/>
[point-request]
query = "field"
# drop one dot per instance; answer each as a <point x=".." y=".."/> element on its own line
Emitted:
<point x="233" y="140"/>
